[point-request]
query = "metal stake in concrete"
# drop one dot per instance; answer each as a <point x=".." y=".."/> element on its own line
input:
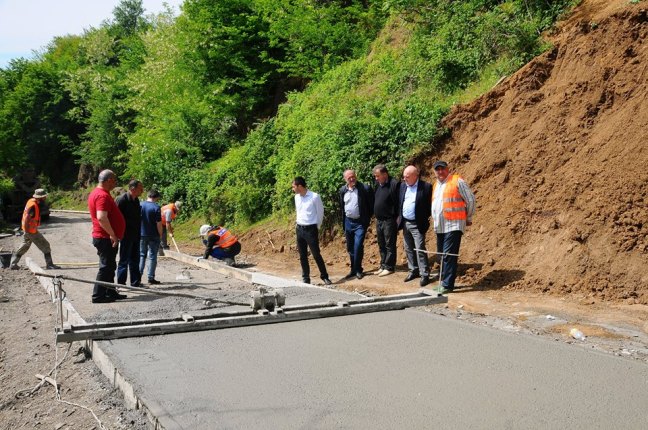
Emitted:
<point x="440" y="264"/>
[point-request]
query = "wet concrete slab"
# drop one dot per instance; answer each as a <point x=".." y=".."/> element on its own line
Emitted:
<point x="399" y="369"/>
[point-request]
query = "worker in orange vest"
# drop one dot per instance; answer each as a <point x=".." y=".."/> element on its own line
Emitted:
<point x="220" y="243"/>
<point x="30" y="222"/>
<point x="169" y="213"/>
<point x="453" y="206"/>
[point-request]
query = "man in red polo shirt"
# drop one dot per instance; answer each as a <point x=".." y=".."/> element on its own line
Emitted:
<point x="108" y="226"/>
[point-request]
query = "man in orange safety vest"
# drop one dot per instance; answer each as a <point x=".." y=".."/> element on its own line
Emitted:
<point x="30" y="222"/>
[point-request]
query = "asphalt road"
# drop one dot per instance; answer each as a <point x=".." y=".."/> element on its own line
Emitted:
<point x="399" y="369"/>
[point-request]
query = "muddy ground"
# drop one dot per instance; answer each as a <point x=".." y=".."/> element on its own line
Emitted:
<point x="27" y="348"/>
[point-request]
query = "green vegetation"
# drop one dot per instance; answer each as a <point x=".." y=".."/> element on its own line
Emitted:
<point x="224" y="104"/>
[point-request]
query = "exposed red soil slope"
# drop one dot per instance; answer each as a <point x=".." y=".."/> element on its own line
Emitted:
<point x="557" y="157"/>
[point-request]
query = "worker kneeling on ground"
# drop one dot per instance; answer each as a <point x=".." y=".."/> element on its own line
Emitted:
<point x="220" y="243"/>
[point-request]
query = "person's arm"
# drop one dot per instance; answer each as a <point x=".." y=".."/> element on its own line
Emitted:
<point x="102" y="217"/>
<point x="469" y="198"/>
<point x="319" y="207"/>
<point x="211" y="241"/>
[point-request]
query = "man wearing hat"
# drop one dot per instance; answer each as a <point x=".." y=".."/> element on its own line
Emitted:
<point x="169" y="213"/>
<point x="220" y="243"/>
<point x="30" y="222"/>
<point x="453" y="206"/>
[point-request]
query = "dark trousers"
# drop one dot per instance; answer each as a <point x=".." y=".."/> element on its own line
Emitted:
<point x="355" y="236"/>
<point x="229" y="252"/>
<point x="129" y="256"/>
<point x="107" y="265"/>
<point x="308" y="237"/>
<point x="413" y="238"/>
<point x="386" y="230"/>
<point x="163" y="238"/>
<point x="449" y="242"/>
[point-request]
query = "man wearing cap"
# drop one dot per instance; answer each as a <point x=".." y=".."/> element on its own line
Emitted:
<point x="169" y="213"/>
<point x="414" y="220"/>
<point x="30" y="222"/>
<point x="108" y="227"/>
<point x="453" y="206"/>
<point x="356" y="205"/>
<point x="129" y="247"/>
<point x="150" y="232"/>
<point x="220" y="243"/>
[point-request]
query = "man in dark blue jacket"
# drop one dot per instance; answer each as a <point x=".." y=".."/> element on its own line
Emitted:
<point x="415" y="210"/>
<point x="356" y="204"/>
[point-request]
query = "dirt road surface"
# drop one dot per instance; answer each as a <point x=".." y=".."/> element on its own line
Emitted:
<point x="441" y="366"/>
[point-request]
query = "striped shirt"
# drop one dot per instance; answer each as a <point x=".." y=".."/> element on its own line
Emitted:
<point x="442" y="225"/>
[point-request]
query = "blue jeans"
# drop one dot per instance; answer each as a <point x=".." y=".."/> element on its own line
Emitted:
<point x="150" y="246"/>
<point x="129" y="258"/>
<point x="355" y="235"/>
<point x="449" y="242"/>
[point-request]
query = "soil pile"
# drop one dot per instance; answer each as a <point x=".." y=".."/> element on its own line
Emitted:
<point x="557" y="157"/>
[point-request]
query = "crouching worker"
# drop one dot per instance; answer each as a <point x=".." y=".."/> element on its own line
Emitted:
<point x="220" y="243"/>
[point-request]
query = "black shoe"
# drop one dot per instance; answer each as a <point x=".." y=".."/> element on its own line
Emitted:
<point x="119" y="296"/>
<point x="103" y="300"/>
<point x="349" y="275"/>
<point x="425" y="280"/>
<point x="411" y="276"/>
<point x="154" y="282"/>
<point x="359" y="275"/>
<point x="327" y="281"/>
<point x="306" y="280"/>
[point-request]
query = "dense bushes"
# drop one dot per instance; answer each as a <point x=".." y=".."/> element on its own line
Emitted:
<point x="383" y="106"/>
<point x="223" y="105"/>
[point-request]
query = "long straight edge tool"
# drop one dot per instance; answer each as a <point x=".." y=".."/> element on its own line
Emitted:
<point x="440" y="263"/>
<point x="141" y="290"/>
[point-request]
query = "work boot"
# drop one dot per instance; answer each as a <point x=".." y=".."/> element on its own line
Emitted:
<point x="49" y="264"/>
<point x="13" y="265"/>
<point x="229" y="261"/>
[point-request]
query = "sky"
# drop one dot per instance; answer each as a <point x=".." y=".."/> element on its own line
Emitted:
<point x="28" y="25"/>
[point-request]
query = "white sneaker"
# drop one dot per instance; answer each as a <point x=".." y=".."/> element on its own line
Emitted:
<point x="385" y="272"/>
<point x="377" y="272"/>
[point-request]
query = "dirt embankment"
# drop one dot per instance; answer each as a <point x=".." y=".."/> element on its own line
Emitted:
<point x="557" y="157"/>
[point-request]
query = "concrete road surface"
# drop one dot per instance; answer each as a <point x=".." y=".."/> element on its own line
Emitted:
<point x="401" y="369"/>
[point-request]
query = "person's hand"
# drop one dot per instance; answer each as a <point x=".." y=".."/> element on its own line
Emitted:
<point x="114" y="241"/>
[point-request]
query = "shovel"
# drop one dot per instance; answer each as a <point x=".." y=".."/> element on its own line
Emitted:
<point x="175" y="244"/>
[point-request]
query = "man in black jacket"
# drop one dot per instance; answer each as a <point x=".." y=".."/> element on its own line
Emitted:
<point x="129" y="247"/>
<point x="356" y="204"/>
<point x="386" y="202"/>
<point x="414" y="218"/>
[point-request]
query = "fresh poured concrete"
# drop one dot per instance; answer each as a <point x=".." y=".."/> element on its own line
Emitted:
<point x="400" y="369"/>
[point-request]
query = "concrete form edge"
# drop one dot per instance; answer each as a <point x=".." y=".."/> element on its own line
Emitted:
<point x="155" y="413"/>
<point x="241" y="274"/>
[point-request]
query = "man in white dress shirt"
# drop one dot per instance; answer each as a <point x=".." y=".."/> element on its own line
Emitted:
<point x="310" y="214"/>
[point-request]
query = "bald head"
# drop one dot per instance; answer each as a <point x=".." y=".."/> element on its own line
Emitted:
<point x="350" y="178"/>
<point x="107" y="179"/>
<point x="105" y="175"/>
<point x="410" y="175"/>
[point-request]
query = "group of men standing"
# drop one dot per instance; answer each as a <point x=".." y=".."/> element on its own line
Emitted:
<point x="406" y="206"/>
<point x="129" y="228"/>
